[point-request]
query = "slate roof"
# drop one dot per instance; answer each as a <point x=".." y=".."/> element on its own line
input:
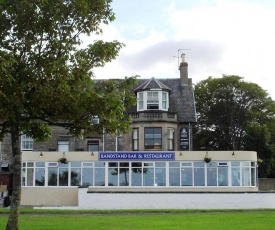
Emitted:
<point x="182" y="100"/>
<point x="152" y="84"/>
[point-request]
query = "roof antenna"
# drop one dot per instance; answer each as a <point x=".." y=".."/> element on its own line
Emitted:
<point x="180" y="51"/>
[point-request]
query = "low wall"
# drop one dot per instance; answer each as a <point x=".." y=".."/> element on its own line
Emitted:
<point x="106" y="198"/>
<point x="49" y="196"/>
<point x="111" y="201"/>
<point x="267" y="184"/>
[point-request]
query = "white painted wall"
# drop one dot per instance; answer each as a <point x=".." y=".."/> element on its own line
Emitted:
<point x="108" y="201"/>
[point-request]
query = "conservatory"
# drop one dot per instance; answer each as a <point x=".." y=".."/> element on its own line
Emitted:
<point x="58" y="178"/>
<point x="142" y="169"/>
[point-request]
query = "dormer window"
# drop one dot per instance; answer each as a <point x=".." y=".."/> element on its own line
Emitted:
<point x="152" y="95"/>
<point x="152" y="100"/>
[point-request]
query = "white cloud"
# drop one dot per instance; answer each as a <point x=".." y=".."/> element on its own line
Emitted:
<point x="224" y="37"/>
<point x="244" y="32"/>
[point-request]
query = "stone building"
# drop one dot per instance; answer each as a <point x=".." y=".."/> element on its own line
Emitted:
<point x="162" y="120"/>
<point x="155" y="156"/>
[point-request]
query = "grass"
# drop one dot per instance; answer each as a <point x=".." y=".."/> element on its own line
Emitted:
<point x="143" y="219"/>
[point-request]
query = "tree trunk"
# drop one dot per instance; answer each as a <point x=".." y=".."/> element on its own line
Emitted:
<point x="12" y="223"/>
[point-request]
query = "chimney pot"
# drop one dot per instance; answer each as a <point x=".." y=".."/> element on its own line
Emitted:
<point x="182" y="57"/>
<point x="183" y="71"/>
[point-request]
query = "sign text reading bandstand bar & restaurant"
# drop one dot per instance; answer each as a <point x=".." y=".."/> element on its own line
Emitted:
<point x="134" y="156"/>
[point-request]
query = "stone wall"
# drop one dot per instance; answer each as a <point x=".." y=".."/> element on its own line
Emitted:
<point x="267" y="184"/>
<point x="49" y="196"/>
<point x="5" y="151"/>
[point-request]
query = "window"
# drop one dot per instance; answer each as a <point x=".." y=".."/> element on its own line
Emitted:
<point x="63" y="146"/>
<point x="75" y="175"/>
<point x="135" y="139"/>
<point x="152" y="100"/>
<point x="174" y="173"/>
<point x="99" y="175"/>
<point x="199" y="174"/>
<point x="87" y="173"/>
<point x="253" y="174"/>
<point x="93" y="145"/>
<point x="152" y="138"/>
<point x="28" y="174"/>
<point x="164" y="100"/>
<point x="170" y="137"/>
<point x="140" y="101"/>
<point x="212" y="174"/>
<point x="63" y="175"/>
<point x="187" y="174"/>
<point x="40" y="174"/>
<point x="160" y="174"/>
<point x="136" y="173"/>
<point x="26" y="143"/>
<point x="95" y="120"/>
<point x="148" y="174"/>
<point x="245" y="178"/>
<point x="133" y="174"/>
<point x="235" y="173"/>
<point x="222" y="174"/>
<point x="52" y="174"/>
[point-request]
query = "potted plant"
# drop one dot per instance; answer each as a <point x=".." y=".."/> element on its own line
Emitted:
<point x="63" y="160"/>
<point x="207" y="159"/>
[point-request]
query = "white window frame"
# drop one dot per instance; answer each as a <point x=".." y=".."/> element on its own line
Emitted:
<point x="153" y="100"/>
<point x="135" y="139"/>
<point x="26" y="143"/>
<point x="29" y="169"/>
<point x="140" y="104"/>
<point x="162" y="100"/>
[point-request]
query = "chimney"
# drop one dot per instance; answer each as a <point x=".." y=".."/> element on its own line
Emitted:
<point x="183" y="71"/>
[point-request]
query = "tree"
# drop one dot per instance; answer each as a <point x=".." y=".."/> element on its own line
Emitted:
<point x="260" y="138"/>
<point x="231" y="115"/>
<point x="45" y="78"/>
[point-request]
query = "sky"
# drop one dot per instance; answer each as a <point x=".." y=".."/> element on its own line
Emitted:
<point x="231" y="37"/>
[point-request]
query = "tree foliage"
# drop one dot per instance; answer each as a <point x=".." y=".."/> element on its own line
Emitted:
<point x="235" y="115"/>
<point x="45" y="77"/>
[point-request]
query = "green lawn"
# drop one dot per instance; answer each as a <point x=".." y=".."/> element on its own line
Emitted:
<point x="156" y="219"/>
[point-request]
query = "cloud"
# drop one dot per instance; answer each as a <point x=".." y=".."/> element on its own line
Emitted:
<point x="221" y="37"/>
<point x="166" y="52"/>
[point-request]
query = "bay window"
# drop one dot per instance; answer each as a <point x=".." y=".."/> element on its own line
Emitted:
<point x="152" y="100"/>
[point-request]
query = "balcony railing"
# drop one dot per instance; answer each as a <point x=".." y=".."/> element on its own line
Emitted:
<point x="154" y="116"/>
